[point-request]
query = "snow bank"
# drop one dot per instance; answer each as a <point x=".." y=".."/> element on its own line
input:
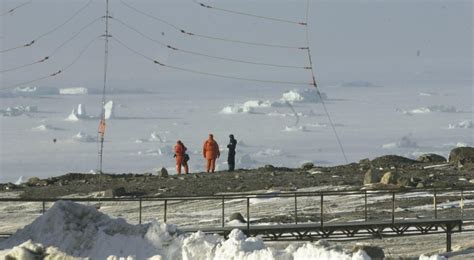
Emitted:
<point x="404" y="142"/>
<point x="72" y="229"/>
<point x="247" y="107"/>
<point x="466" y="124"/>
<point x="73" y="91"/>
<point x="84" y="138"/>
<point x="302" y="96"/>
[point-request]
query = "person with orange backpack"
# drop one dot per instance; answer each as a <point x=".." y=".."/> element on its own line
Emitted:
<point x="210" y="152"/>
<point x="181" y="157"/>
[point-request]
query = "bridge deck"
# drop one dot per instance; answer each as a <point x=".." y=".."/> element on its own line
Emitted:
<point x="311" y="231"/>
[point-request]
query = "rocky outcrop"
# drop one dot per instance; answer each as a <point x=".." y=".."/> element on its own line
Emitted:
<point x="461" y="155"/>
<point x="372" y="176"/>
<point x="237" y="216"/>
<point x="432" y="158"/>
<point x="389" y="178"/>
<point x="388" y="161"/>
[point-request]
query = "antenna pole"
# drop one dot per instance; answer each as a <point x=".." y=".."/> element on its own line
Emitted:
<point x="106" y="57"/>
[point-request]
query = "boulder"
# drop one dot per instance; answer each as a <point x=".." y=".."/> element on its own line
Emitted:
<point x="115" y="192"/>
<point x="389" y="178"/>
<point x="237" y="216"/>
<point x="388" y="161"/>
<point x="375" y="252"/>
<point x="431" y="158"/>
<point x="371" y="176"/>
<point x="461" y="155"/>
<point x="33" y="181"/>
<point x="307" y="166"/>
<point x="404" y="182"/>
<point x="163" y="172"/>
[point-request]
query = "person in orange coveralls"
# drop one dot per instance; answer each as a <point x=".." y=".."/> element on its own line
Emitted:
<point x="210" y="151"/>
<point x="180" y="154"/>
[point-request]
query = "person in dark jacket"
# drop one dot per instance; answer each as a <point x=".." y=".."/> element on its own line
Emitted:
<point x="231" y="157"/>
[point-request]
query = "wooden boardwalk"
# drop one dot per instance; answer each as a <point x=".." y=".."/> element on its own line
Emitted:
<point x="314" y="231"/>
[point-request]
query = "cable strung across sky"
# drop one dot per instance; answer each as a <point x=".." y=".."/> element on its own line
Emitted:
<point x="59" y="26"/>
<point x="210" y="37"/>
<point x="249" y="14"/>
<point x="46" y="58"/>
<point x="132" y="50"/>
<point x="63" y="69"/>
<point x="165" y="45"/>
<point x="16" y="7"/>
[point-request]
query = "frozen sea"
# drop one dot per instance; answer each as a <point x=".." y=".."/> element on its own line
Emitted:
<point x="397" y="76"/>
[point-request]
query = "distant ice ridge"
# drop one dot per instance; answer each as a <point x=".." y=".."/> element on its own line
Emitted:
<point x="430" y="109"/>
<point x="44" y="128"/>
<point x="72" y="229"/>
<point x="291" y="97"/>
<point x="247" y="107"/>
<point x="404" y="142"/>
<point x="467" y="124"/>
<point x="84" y="138"/>
<point x="73" y="91"/>
<point x="18" y="110"/>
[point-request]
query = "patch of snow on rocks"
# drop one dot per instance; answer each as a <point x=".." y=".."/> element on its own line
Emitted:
<point x="247" y="107"/>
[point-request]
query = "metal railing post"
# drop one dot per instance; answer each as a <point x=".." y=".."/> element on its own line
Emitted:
<point x="296" y="209"/>
<point x="365" y="207"/>
<point x="435" y="204"/>
<point x="166" y="208"/>
<point x="140" y="211"/>
<point x="393" y="207"/>
<point x="248" y="216"/>
<point x="222" y="219"/>
<point x="322" y="210"/>
<point x="44" y="207"/>
<point x="462" y="204"/>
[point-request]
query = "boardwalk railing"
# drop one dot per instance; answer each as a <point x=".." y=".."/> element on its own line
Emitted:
<point x="387" y="205"/>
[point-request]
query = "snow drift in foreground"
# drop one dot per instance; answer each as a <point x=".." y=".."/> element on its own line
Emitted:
<point x="71" y="229"/>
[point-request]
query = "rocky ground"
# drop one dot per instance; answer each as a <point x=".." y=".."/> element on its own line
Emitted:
<point x="386" y="172"/>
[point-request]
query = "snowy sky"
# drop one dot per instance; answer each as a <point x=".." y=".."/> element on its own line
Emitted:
<point x="351" y="40"/>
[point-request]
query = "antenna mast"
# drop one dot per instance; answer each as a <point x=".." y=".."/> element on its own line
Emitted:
<point x="106" y="57"/>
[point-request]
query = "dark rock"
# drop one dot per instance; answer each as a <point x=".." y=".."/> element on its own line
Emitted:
<point x="268" y="167"/>
<point x="372" y="176"/>
<point x="375" y="252"/>
<point x="431" y="158"/>
<point x="307" y="166"/>
<point x="404" y="182"/>
<point x="10" y="186"/>
<point x="461" y="155"/>
<point x="163" y="172"/>
<point x="33" y="181"/>
<point x="388" y="161"/>
<point x="116" y="192"/>
<point x="237" y="216"/>
<point x="389" y="178"/>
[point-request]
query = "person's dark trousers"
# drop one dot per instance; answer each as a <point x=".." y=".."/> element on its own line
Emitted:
<point x="231" y="161"/>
